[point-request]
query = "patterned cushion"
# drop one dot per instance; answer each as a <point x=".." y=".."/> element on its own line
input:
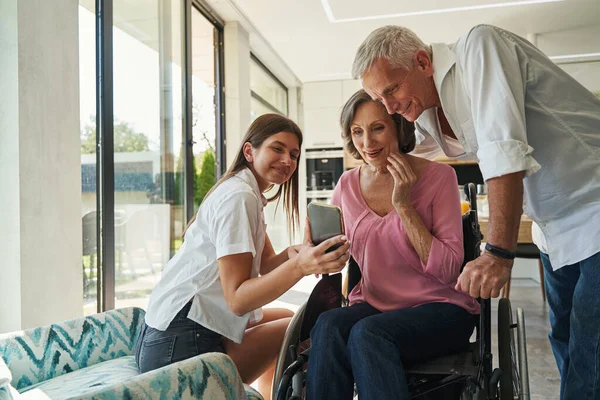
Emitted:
<point x="92" y="358"/>
<point x="7" y="392"/>
<point x="252" y="394"/>
<point x="209" y="376"/>
<point x="38" y="354"/>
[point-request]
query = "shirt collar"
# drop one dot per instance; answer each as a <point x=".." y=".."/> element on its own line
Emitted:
<point x="443" y="59"/>
<point x="247" y="176"/>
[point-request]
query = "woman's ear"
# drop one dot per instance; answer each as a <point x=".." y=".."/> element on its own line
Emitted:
<point x="248" y="153"/>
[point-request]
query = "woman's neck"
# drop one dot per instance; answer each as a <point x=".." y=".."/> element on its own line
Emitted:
<point x="376" y="171"/>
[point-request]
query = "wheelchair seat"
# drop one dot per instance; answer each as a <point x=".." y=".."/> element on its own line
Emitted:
<point x="463" y="363"/>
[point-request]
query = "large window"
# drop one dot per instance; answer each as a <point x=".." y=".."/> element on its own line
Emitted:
<point x="205" y="118"/>
<point x="268" y="94"/>
<point x="141" y="169"/>
<point x="87" y="108"/>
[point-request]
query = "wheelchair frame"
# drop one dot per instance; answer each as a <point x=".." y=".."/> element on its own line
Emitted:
<point x="480" y="380"/>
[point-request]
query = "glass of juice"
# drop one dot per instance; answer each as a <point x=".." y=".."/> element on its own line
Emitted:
<point x="465" y="206"/>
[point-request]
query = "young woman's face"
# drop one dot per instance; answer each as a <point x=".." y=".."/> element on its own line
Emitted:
<point x="374" y="134"/>
<point x="275" y="160"/>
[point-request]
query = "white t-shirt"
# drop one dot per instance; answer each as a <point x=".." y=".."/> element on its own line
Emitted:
<point x="229" y="221"/>
<point x="513" y="109"/>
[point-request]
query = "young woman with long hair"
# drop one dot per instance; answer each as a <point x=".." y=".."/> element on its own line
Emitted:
<point x="211" y="292"/>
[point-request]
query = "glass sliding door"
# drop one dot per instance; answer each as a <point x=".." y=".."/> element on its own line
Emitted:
<point x="205" y="110"/>
<point x="149" y="157"/>
<point x="142" y="62"/>
<point x="87" y="109"/>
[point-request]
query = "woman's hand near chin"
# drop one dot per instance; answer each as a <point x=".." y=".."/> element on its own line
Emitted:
<point x="404" y="180"/>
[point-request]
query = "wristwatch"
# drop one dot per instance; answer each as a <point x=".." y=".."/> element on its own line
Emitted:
<point x="500" y="252"/>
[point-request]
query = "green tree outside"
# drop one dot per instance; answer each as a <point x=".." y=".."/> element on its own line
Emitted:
<point x="126" y="138"/>
<point x="203" y="180"/>
<point x="179" y="198"/>
<point x="206" y="179"/>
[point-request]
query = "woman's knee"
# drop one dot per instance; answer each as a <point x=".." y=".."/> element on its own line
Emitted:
<point x="365" y="331"/>
<point x="328" y="324"/>
<point x="370" y="336"/>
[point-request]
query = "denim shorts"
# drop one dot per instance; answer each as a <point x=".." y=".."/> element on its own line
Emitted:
<point x="183" y="339"/>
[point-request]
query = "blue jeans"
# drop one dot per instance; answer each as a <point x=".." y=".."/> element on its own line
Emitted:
<point x="573" y="294"/>
<point x="372" y="348"/>
<point x="183" y="339"/>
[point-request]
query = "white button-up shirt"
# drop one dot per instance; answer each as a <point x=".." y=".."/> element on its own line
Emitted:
<point x="229" y="221"/>
<point x="512" y="109"/>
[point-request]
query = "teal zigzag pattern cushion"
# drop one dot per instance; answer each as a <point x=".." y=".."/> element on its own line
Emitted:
<point x="252" y="394"/>
<point x="209" y="376"/>
<point x="39" y="354"/>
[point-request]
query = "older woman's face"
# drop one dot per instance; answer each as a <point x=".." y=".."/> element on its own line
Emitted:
<point x="374" y="134"/>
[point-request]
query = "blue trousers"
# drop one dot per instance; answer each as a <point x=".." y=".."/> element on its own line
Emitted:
<point x="183" y="339"/>
<point x="573" y="294"/>
<point x="372" y="348"/>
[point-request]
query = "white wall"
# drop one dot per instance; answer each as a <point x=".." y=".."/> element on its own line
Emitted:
<point x="322" y="104"/>
<point x="40" y="179"/>
<point x="575" y="42"/>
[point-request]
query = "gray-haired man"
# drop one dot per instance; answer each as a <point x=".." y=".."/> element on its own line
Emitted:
<point x="535" y="132"/>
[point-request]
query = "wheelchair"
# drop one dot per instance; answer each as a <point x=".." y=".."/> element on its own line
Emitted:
<point x="468" y="375"/>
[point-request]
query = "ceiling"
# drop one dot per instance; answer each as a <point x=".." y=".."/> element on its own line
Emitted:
<point x="317" y="39"/>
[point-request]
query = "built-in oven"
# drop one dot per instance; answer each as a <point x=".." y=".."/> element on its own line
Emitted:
<point x="321" y="196"/>
<point x="323" y="168"/>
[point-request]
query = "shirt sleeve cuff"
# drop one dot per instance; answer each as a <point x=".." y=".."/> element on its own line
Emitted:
<point x="238" y="248"/>
<point x="506" y="157"/>
<point x="441" y="263"/>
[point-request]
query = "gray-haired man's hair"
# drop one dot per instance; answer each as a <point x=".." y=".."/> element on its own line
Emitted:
<point x="394" y="43"/>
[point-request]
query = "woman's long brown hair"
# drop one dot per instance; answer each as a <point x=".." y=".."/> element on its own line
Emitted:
<point x="260" y="130"/>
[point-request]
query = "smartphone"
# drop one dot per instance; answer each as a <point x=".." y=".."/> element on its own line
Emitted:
<point x="325" y="222"/>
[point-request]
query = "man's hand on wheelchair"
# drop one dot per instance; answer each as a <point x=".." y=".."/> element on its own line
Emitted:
<point x="485" y="276"/>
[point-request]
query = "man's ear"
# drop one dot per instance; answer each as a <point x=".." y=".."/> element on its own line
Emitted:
<point x="248" y="153"/>
<point x="423" y="62"/>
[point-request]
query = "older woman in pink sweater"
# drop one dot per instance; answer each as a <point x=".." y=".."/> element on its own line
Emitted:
<point x="402" y="216"/>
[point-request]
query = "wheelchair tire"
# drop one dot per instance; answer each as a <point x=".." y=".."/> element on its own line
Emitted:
<point x="506" y="356"/>
<point x="285" y="359"/>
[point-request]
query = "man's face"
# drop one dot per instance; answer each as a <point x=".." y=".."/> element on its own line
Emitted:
<point x="407" y="92"/>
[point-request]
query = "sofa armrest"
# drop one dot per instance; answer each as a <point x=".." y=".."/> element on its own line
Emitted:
<point x="207" y="376"/>
<point x="5" y="375"/>
<point x="7" y="392"/>
<point x="38" y="354"/>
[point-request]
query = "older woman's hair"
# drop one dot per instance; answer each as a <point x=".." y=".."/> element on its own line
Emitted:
<point x="404" y="128"/>
<point x="394" y="43"/>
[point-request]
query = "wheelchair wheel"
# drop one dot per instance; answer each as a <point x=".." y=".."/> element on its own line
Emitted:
<point x="507" y="355"/>
<point x="522" y="350"/>
<point x="286" y="355"/>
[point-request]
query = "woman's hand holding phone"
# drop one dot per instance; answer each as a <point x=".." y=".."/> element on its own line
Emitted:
<point x="313" y="259"/>
<point x="293" y="250"/>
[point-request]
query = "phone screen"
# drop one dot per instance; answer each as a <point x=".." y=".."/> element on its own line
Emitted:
<point x="325" y="222"/>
